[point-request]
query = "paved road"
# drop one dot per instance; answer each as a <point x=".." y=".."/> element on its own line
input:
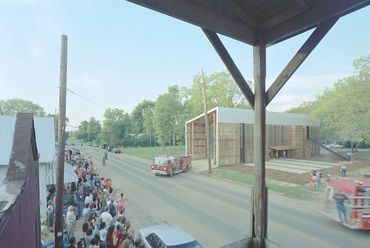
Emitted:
<point x="217" y="212"/>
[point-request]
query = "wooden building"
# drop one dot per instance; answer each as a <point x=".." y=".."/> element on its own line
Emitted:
<point x="232" y="134"/>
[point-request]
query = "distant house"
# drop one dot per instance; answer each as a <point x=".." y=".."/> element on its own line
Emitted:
<point x="232" y="134"/>
<point x="45" y="140"/>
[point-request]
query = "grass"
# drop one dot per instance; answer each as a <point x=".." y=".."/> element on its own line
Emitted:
<point x="362" y="154"/>
<point x="151" y="152"/>
<point x="301" y="192"/>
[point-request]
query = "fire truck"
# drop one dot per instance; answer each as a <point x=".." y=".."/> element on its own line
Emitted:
<point x="170" y="165"/>
<point x="356" y="204"/>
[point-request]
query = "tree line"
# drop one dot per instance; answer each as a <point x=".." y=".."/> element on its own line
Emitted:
<point x="344" y="110"/>
<point x="162" y="122"/>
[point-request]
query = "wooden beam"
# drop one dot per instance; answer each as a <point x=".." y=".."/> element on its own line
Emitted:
<point x="260" y="201"/>
<point x="311" y="18"/>
<point x="192" y="140"/>
<point x="299" y="57"/>
<point x="197" y="14"/>
<point x="231" y="66"/>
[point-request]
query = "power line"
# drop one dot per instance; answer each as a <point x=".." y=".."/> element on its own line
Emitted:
<point x="71" y="126"/>
<point x="87" y="99"/>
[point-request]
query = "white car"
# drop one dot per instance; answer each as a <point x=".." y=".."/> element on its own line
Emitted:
<point x="166" y="236"/>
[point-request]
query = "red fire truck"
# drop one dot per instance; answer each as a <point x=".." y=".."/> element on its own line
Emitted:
<point x="170" y="165"/>
<point x="356" y="204"/>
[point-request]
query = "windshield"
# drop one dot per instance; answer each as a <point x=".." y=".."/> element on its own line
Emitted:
<point x="193" y="244"/>
<point x="160" y="161"/>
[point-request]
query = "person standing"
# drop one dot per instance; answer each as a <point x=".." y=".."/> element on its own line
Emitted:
<point x="71" y="222"/>
<point x="103" y="161"/>
<point x="344" y="170"/>
<point x="80" y="201"/>
<point x="50" y="215"/>
<point x="103" y="234"/>
<point x="313" y="180"/>
<point x="341" y="209"/>
<point x="106" y="217"/>
<point x="318" y="179"/>
<point x="85" y="213"/>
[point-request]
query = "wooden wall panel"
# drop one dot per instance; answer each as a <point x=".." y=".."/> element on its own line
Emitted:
<point x="229" y="144"/>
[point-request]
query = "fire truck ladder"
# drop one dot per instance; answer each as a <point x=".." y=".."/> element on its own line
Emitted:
<point x="328" y="149"/>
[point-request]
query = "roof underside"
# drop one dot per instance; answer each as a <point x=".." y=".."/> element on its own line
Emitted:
<point x="244" y="20"/>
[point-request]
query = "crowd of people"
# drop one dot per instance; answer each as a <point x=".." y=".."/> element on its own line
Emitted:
<point x="93" y="203"/>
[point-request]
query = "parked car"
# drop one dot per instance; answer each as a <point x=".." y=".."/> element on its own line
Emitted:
<point x="116" y="150"/>
<point x="167" y="236"/>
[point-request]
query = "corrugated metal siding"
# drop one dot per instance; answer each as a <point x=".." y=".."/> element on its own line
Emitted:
<point x="7" y="124"/>
<point x="233" y="115"/>
<point x="45" y="138"/>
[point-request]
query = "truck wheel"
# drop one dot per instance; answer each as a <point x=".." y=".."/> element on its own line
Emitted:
<point x="156" y="174"/>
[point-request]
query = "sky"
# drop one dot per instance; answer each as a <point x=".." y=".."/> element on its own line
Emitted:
<point x="120" y="53"/>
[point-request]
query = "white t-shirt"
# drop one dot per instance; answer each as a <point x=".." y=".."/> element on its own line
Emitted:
<point x="70" y="217"/>
<point x="89" y="199"/>
<point x="107" y="218"/>
<point x="103" y="234"/>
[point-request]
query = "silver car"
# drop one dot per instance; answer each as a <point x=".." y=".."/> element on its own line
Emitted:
<point x="166" y="236"/>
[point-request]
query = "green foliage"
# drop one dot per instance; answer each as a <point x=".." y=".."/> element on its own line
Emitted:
<point x="151" y="152"/>
<point x="116" y="127"/>
<point x="13" y="106"/>
<point x="222" y="91"/>
<point x="142" y="122"/>
<point x="344" y="111"/>
<point x="167" y="110"/>
<point x="163" y="121"/>
<point x="88" y="131"/>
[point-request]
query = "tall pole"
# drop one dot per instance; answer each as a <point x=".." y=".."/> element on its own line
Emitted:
<point x="59" y="201"/>
<point x="206" y="122"/>
<point x="260" y="201"/>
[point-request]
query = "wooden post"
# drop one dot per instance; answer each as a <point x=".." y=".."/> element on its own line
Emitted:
<point x="260" y="201"/>
<point x="192" y="139"/>
<point x="214" y="139"/>
<point x="59" y="201"/>
<point x="206" y="122"/>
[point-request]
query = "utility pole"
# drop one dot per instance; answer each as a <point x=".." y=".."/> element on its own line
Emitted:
<point x="206" y="122"/>
<point x="59" y="201"/>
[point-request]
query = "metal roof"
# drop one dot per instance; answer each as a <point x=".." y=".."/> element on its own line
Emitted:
<point x="45" y="138"/>
<point x="244" y="20"/>
<point x="236" y="115"/>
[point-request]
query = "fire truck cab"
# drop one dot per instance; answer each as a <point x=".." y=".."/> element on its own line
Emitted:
<point x="357" y="204"/>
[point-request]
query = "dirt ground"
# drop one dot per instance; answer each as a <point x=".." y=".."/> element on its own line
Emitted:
<point x="304" y="178"/>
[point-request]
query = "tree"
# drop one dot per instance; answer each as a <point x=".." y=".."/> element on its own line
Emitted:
<point x="138" y="115"/>
<point x="116" y="127"/>
<point x="344" y="111"/>
<point x="222" y="91"/>
<point x="13" y="106"/>
<point x="168" y="108"/>
<point x="148" y="124"/>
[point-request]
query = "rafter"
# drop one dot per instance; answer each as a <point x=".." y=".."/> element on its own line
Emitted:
<point x="231" y="66"/>
<point x="299" y="57"/>
<point x="311" y="18"/>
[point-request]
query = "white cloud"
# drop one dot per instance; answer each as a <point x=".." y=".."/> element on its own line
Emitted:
<point x="301" y="89"/>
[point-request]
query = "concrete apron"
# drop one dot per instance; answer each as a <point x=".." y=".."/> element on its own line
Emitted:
<point x="296" y="165"/>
